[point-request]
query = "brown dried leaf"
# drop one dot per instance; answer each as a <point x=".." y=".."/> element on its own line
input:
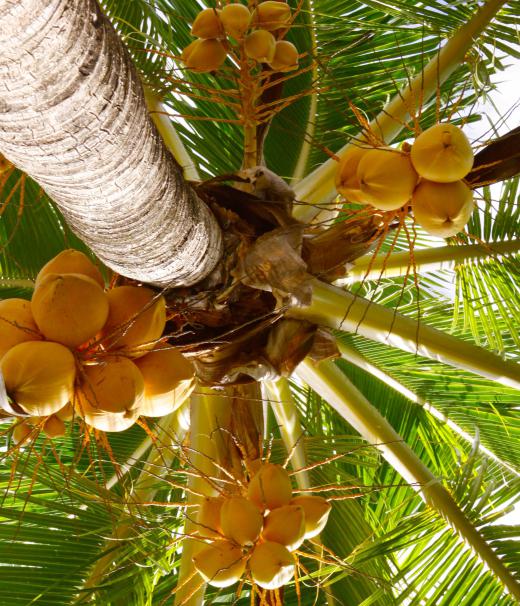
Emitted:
<point x="328" y="253"/>
<point x="289" y="342"/>
<point x="324" y="346"/>
<point x="274" y="264"/>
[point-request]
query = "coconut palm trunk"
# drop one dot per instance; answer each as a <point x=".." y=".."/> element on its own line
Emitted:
<point x="73" y="116"/>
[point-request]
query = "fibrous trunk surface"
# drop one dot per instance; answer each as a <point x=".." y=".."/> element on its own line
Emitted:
<point x="73" y="116"/>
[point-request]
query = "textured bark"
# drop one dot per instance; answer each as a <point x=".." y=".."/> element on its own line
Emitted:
<point x="73" y="116"/>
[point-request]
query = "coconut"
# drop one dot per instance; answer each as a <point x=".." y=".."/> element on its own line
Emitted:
<point x="17" y="324"/>
<point x="260" y="45"/>
<point x="442" y="209"/>
<point x="54" y="427"/>
<point x="106" y="421"/>
<point x="236" y="19"/>
<point x="207" y="24"/>
<point x="136" y="319"/>
<point x="272" y="565"/>
<point x="270" y="487"/>
<point x="285" y="57"/>
<point x="69" y="308"/>
<point x="208" y="518"/>
<point x="115" y="385"/>
<point x="241" y="520"/>
<point x="347" y="182"/>
<point x="204" y="55"/>
<point x="39" y="376"/>
<point x="316" y="512"/>
<point x="66" y="413"/>
<point x="285" y="525"/>
<point x="442" y="153"/>
<point x="71" y="261"/>
<point x="168" y="381"/>
<point x="386" y="178"/>
<point x="220" y="564"/>
<point x="271" y="15"/>
<point x="22" y="433"/>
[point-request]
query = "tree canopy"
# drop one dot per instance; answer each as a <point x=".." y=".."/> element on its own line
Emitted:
<point x="419" y="393"/>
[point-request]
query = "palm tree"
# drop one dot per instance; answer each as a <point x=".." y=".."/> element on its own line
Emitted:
<point x="439" y="427"/>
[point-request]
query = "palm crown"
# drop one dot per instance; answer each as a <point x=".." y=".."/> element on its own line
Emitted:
<point x="410" y="412"/>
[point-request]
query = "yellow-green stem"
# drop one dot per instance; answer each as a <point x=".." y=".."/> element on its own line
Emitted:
<point x="159" y="114"/>
<point x="318" y="186"/>
<point x="428" y="260"/>
<point x="8" y="283"/>
<point x="204" y="424"/>
<point x="327" y="380"/>
<point x="288" y="419"/>
<point x="342" y="310"/>
<point x="354" y="357"/>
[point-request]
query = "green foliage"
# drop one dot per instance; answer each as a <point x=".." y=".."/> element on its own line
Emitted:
<point x="58" y="518"/>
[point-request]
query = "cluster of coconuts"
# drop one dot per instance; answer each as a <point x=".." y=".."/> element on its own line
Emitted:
<point x="253" y="534"/>
<point x="429" y="176"/>
<point x="78" y="349"/>
<point x="257" y="33"/>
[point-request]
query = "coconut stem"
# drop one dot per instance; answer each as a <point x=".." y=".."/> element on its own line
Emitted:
<point x="342" y="310"/>
<point x="318" y="186"/>
<point x="288" y="419"/>
<point x="428" y="260"/>
<point x="328" y="380"/>
<point x="159" y="115"/>
<point x="217" y="419"/>
<point x="352" y="356"/>
<point x="249" y="97"/>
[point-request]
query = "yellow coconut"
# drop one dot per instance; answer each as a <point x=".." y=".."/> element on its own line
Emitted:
<point x="347" y="182"/>
<point x="207" y="24"/>
<point x="285" y="57"/>
<point x="204" y="55"/>
<point x="136" y="319"/>
<point x="115" y="385"/>
<point x="253" y="466"/>
<point x="316" y="512"/>
<point x="260" y="45"/>
<point x="66" y="413"/>
<point x="386" y="178"/>
<point x="272" y="565"/>
<point x="220" y="564"/>
<point x="240" y="520"/>
<point x="208" y="518"/>
<point x="39" y="376"/>
<point x="285" y="525"/>
<point x="442" y="153"/>
<point x="69" y="308"/>
<point x="106" y="421"/>
<point x="271" y="15"/>
<point x="22" y="433"/>
<point x="54" y="427"/>
<point x="168" y="381"/>
<point x="17" y="324"/>
<point x="236" y="19"/>
<point x="71" y="261"/>
<point x="270" y="487"/>
<point x="442" y="209"/>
